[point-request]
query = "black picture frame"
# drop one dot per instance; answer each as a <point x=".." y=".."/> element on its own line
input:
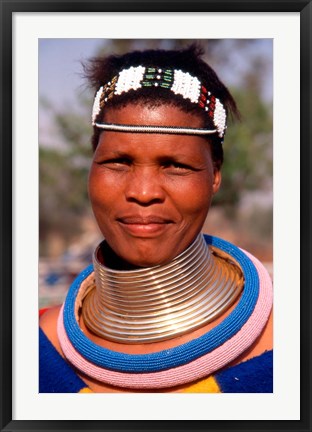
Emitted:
<point x="9" y="7"/>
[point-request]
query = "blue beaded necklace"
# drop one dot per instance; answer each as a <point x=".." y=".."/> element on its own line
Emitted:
<point x="181" y="354"/>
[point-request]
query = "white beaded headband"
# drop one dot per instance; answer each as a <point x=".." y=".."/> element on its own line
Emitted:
<point x="180" y="83"/>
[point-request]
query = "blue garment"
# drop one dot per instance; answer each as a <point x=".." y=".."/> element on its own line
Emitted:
<point x="252" y="376"/>
<point x="57" y="376"/>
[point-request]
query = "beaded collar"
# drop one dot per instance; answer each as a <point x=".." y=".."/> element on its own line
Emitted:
<point x="178" y="82"/>
<point x="73" y="340"/>
<point x="193" y="370"/>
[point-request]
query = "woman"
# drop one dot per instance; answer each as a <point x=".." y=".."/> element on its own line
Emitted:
<point x="163" y="308"/>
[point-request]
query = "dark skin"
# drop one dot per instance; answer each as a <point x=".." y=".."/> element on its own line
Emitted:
<point x="160" y="186"/>
<point x="146" y="189"/>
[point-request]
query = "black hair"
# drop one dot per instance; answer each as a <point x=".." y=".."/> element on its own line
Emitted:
<point x="100" y="71"/>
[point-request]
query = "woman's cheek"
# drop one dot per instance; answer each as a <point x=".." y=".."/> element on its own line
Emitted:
<point x="193" y="196"/>
<point x="103" y="184"/>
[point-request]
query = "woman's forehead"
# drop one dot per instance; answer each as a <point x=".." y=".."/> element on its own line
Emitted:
<point x="153" y="146"/>
<point x="146" y="115"/>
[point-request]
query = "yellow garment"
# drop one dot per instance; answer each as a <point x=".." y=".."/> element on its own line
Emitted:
<point x="206" y="385"/>
<point x="85" y="390"/>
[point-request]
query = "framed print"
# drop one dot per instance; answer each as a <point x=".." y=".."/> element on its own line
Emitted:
<point x="27" y="28"/>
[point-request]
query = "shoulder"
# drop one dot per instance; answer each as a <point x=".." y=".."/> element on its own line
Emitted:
<point x="48" y="323"/>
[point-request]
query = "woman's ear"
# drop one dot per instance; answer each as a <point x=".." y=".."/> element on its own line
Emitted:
<point x="217" y="180"/>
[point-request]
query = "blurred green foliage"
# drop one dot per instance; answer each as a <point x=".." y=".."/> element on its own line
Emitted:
<point x="248" y="159"/>
<point x="63" y="172"/>
<point x="247" y="147"/>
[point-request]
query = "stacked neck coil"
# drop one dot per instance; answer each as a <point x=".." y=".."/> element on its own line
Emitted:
<point x="158" y="303"/>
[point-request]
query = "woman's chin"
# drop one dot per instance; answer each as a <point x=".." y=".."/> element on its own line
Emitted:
<point x="145" y="261"/>
<point x="135" y="256"/>
<point x="150" y="258"/>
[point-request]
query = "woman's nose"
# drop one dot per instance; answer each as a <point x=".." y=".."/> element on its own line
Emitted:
<point x="145" y="187"/>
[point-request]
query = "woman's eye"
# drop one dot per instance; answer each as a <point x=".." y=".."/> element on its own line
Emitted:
<point x="119" y="164"/>
<point x="177" y="168"/>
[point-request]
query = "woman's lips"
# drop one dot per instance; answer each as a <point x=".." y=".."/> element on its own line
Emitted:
<point x="145" y="226"/>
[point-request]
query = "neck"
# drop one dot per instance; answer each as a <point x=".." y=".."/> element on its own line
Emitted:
<point x="158" y="303"/>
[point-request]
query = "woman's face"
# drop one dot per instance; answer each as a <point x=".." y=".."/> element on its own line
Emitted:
<point x="150" y="193"/>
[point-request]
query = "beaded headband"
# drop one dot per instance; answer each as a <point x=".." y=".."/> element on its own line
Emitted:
<point x="180" y="83"/>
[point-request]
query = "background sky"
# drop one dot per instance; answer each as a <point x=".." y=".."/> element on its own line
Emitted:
<point x="60" y="67"/>
<point x="60" y="71"/>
